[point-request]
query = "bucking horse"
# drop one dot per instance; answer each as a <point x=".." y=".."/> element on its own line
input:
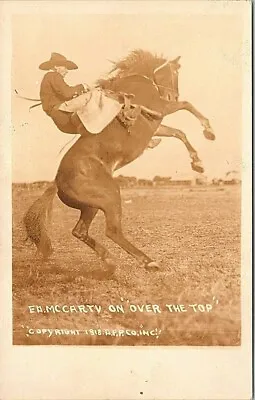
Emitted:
<point x="84" y="179"/>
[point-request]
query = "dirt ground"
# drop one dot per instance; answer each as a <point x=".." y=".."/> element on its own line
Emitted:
<point x="194" y="233"/>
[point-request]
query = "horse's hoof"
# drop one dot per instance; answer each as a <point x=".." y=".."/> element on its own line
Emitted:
<point x="197" y="166"/>
<point x="152" y="266"/>
<point x="208" y="134"/>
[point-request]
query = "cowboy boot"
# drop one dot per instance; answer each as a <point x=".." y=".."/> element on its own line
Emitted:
<point x="75" y="120"/>
<point x="80" y="129"/>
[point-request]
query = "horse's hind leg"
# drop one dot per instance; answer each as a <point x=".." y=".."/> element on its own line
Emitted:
<point x="81" y="232"/>
<point x="98" y="190"/>
<point x="111" y="206"/>
<point x="114" y="232"/>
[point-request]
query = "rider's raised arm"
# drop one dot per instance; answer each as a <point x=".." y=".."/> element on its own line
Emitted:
<point x="63" y="89"/>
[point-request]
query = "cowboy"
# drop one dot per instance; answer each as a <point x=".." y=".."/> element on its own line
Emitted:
<point x="54" y="91"/>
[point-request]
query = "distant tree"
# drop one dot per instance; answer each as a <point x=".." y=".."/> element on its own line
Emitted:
<point x="144" y="182"/>
<point x="133" y="181"/>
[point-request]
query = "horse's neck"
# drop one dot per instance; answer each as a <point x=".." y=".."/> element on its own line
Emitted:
<point x="144" y="90"/>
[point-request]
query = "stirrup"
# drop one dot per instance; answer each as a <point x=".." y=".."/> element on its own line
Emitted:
<point x="132" y="114"/>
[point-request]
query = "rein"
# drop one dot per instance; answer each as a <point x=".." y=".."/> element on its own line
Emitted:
<point x="25" y="98"/>
<point x="28" y="98"/>
<point x="156" y="84"/>
<point x="165" y="87"/>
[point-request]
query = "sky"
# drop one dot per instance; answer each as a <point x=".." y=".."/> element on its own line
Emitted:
<point x="210" y="46"/>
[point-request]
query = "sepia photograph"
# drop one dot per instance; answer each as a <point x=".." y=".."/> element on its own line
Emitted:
<point x="126" y="221"/>
<point x="127" y="175"/>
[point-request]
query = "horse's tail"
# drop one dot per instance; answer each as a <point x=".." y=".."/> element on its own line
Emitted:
<point x="36" y="220"/>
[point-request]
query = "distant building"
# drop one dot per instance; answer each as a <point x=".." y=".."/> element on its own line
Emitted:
<point x="181" y="182"/>
<point x="162" y="180"/>
<point x="232" y="178"/>
<point x="202" y="180"/>
<point x="217" y="181"/>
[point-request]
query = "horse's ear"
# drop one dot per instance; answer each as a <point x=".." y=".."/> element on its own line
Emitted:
<point x="176" y="60"/>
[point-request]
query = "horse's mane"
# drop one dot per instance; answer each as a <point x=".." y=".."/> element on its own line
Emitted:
<point x="137" y="62"/>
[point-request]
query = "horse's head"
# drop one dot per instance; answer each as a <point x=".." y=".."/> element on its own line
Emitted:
<point x="166" y="78"/>
<point x="164" y="74"/>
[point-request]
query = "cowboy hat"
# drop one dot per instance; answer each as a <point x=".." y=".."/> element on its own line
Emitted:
<point x="57" y="60"/>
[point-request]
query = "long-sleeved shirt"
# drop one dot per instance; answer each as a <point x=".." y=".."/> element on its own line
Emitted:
<point x="54" y="91"/>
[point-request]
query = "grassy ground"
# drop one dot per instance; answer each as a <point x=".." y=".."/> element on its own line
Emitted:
<point x="193" y="233"/>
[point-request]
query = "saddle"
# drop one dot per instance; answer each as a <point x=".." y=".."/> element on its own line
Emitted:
<point x="97" y="108"/>
<point x="130" y="112"/>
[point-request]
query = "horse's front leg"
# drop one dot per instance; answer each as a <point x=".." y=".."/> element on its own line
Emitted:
<point x="166" y="131"/>
<point x="173" y="106"/>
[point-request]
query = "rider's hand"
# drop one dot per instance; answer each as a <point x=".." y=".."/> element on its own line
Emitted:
<point x="86" y="88"/>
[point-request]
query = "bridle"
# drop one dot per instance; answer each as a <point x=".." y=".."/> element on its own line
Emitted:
<point x="157" y="85"/>
<point x="169" y="89"/>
